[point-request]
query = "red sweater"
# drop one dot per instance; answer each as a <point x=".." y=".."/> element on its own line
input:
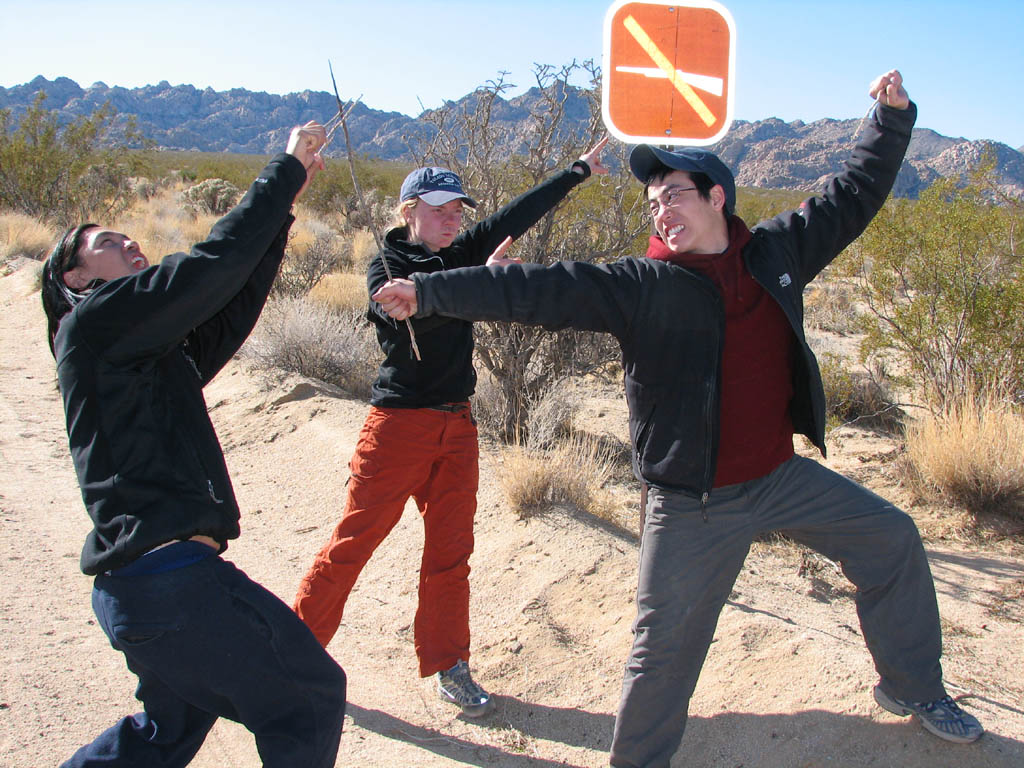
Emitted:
<point x="757" y="360"/>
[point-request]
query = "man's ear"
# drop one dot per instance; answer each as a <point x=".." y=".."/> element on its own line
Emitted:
<point x="718" y="197"/>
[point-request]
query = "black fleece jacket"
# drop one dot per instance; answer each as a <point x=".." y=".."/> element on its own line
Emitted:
<point x="132" y="360"/>
<point x="669" y="321"/>
<point x="445" y="374"/>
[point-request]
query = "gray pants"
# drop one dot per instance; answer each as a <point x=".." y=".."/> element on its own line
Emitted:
<point x="687" y="569"/>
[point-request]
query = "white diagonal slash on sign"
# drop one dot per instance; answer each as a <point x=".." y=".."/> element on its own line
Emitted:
<point x="671" y="73"/>
<point x="707" y="83"/>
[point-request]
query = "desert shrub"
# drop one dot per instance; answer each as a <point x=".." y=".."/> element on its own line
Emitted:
<point x="971" y="453"/>
<point x="214" y="196"/>
<point x="755" y="204"/>
<point x="599" y="222"/>
<point x="299" y="336"/>
<point x="190" y="167"/>
<point x="943" y="282"/>
<point x="334" y="192"/>
<point x="572" y="472"/>
<point x="65" y="175"/>
<point x="857" y="396"/>
<point x="829" y="305"/>
<point x="304" y="267"/>
<point x="550" y="419"/>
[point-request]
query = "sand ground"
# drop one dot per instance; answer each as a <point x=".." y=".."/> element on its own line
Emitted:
<point x="787" y="682"/>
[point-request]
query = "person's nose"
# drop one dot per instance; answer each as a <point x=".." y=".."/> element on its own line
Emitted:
<point x="663" y="216"/>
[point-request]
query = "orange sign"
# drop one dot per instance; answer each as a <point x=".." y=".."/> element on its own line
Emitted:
<point x="668" y="72"/>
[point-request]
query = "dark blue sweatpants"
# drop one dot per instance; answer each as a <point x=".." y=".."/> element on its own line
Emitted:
<point x="205" y="642"/>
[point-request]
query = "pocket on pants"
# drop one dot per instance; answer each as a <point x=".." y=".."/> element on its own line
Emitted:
<point x="138" y="634"/>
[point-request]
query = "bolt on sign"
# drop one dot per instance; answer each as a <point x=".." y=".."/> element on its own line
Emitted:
<point x="668" y="72"/>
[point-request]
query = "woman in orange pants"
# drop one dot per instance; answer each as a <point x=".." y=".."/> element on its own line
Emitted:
<point x="419" y="438"/>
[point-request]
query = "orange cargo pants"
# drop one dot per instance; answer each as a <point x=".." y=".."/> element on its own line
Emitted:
<point x="430" y="455"/>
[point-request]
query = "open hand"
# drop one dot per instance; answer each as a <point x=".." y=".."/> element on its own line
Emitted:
<point x="497" y="259"/>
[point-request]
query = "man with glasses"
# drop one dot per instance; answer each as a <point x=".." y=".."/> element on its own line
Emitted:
<point x="719" y="377"/>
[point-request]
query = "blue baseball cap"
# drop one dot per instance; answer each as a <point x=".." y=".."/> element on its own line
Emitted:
<point x="435" y="186"/>
<point x="646" y="159"/>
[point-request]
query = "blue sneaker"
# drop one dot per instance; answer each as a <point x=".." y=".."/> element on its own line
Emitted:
<point x="457" y="686"/>
<point x="943" y="717"/>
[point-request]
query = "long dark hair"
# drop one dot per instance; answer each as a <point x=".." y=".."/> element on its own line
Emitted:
<point x="58" y="299"/>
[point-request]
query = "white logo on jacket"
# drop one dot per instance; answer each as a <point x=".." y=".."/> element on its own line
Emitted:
<point x="785" y="279"/>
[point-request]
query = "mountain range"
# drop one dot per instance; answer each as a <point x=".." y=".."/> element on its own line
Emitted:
<point x="767" y="153"/>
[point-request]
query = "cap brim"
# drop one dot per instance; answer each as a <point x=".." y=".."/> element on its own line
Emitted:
<point x="644" y="160"/>
<point x="440" y="197"/>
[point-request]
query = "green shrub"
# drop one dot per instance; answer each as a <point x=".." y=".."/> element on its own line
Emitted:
<point x="66" y="175"/>
<point x="943" y="282"/>
<point x="214" y="196"/>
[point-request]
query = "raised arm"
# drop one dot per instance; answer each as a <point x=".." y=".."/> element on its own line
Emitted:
<point x="148" y="313"/>
<point x="478" y="243"/>
<point x="824" y="225"/>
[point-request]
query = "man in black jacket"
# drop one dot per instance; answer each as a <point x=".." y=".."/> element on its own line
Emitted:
<point x="135" y="345"/>
<point x="719" y="377"/>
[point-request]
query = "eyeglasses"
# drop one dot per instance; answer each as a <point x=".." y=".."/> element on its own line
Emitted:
<point x="669" y="200"/>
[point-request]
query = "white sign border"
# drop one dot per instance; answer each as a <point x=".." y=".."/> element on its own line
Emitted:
<point x="606" y="79"/>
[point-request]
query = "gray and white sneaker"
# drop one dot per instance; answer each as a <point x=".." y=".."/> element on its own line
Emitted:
<point x="457" y="686"/>
<point x="943" y="717"/>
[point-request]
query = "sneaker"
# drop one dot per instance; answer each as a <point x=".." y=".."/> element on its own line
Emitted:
<point x="457" y="686"/>
<point x="943" y="717"/>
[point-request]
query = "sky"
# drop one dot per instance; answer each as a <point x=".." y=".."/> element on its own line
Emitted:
<point x="962" y="62"/>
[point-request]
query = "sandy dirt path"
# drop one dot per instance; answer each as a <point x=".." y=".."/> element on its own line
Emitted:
<point x="787" y="682"/>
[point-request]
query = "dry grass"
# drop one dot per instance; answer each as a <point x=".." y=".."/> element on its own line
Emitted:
<point x="163" y="225"/>
<point x="22" y="235"/>
<point x="341" y="292"/>
<point x="364" y="248"/>
<point x="971" y="454"/>
<point x="573" y="472"/>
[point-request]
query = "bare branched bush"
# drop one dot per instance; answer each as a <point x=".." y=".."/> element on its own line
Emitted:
<point x="304" y="267"/>
<point x="602" y="221"/>
<point x="857" y="396"/>
<point x="214" y="196"/>
<point x="573" y="472"/>
<point x="300" y="336"/>
<point x="971" y="454"/>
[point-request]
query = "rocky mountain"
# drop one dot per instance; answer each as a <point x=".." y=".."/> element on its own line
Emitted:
<point x="764" y="153"/>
